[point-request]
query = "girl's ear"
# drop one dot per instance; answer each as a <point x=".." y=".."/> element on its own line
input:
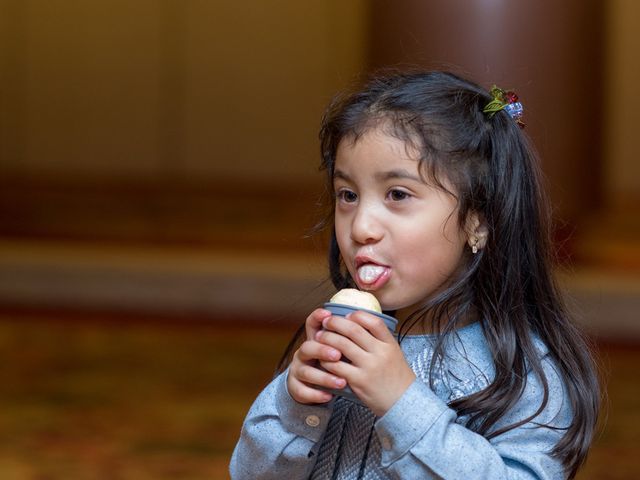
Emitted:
<point x="477" y="231"/>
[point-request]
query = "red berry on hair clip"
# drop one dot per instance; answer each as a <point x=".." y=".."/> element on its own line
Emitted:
<point x="507" y="101"/>
<point x="511" y="97"/>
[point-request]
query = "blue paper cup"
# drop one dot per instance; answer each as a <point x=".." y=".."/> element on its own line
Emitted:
<point x="341" y="310"/>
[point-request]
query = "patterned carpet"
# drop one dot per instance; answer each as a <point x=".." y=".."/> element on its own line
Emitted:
<point x="116" y="399"/>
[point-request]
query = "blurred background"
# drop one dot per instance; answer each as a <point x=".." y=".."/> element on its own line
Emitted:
<point x="159" y="180"/>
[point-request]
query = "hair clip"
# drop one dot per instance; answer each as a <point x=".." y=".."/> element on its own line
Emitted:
<point x="505" y="101"/>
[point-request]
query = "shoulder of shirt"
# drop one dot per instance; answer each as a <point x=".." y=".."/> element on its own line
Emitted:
<point x="540" y="345"/>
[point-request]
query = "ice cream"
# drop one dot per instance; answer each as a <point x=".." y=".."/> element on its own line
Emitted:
<point x="357" y="299"/>
<point x="344" y="303"/>
<point x="349" y="300"/>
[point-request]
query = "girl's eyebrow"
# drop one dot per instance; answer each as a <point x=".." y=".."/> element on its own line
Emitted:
<point x="398" y="173"/>
<point x="381" y="176"/>
<point x="341" y="174"/>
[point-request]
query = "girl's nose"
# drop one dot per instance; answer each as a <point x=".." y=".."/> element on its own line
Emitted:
<point x="366" y="227"/>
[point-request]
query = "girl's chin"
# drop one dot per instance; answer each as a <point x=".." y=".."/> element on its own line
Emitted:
<point x="389" y="301"/>
<point x="402" y="310"/>
<point x="390" y="306"/>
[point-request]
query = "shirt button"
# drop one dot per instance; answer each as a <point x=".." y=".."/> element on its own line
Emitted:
<point x="386" y="443"/>
<point x="312" y="420"/>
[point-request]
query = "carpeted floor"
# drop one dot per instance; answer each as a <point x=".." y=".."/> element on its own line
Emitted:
<point x="117" y="401"/>
<point x="146" y="400"/>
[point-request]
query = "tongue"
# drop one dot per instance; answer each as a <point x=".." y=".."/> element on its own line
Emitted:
<point x="370" y="273"/>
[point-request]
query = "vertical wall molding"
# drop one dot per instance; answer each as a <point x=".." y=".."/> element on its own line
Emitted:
<point x="13" y="85"/>
<point x="172" y="85"/>
<point x="550" y="52"/>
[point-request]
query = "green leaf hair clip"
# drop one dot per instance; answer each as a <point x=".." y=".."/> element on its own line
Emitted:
<point x="504" y="100"/>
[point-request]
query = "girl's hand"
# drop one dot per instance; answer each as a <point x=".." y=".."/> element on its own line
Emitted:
<point x="378" y="373"/>
<point x="304" y="371"/>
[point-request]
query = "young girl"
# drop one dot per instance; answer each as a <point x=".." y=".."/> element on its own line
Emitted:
<point x="439" y="213"/>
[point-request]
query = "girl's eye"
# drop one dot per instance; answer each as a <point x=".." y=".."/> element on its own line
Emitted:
<point x="347" y="196"/>
<point x="398" y="195"/>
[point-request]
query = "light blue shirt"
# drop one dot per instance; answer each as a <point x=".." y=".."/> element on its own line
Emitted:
<point x="420" y="436"/>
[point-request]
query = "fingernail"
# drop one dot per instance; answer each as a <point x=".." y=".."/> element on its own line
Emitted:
<point x="339" y="382"/>
<point x="334" y="355"/>
<point x="325" y="321"/>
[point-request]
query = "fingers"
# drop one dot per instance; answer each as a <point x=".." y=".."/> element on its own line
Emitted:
<point x="316" y="364"/>
<point x="305" y="377"/>
<point x="314" y="322"/>
<point x="361" y="328"/>
<point x="312" y="350"/>
<point x="374" y="325"/>
<point x="302" y="393"/>
<point x="314" y="377"/>
<point x="342" y="343"/>
<point x="342" y="370"/>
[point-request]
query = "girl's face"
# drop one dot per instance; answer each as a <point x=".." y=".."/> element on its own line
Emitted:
<point x="399" y="237"/>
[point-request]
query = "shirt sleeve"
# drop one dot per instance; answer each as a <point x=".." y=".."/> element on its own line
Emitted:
<point x="420" y="438"/>
<point x="279" y="436"/>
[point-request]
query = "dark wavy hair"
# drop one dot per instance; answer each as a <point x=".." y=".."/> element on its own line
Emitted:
<point x="508" y="285"/>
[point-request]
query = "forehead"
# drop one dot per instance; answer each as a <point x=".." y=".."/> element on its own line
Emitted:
<point x="382" y="152"/>
<point x="378" y="154"/>
<point x="376" y="145"/>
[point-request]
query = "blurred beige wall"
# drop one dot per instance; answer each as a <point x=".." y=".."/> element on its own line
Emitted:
<point x="622" y="103"/>
<point x="149" y="148"/>
<point x="201" y="90"/>
<point x="186" y="91"/>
